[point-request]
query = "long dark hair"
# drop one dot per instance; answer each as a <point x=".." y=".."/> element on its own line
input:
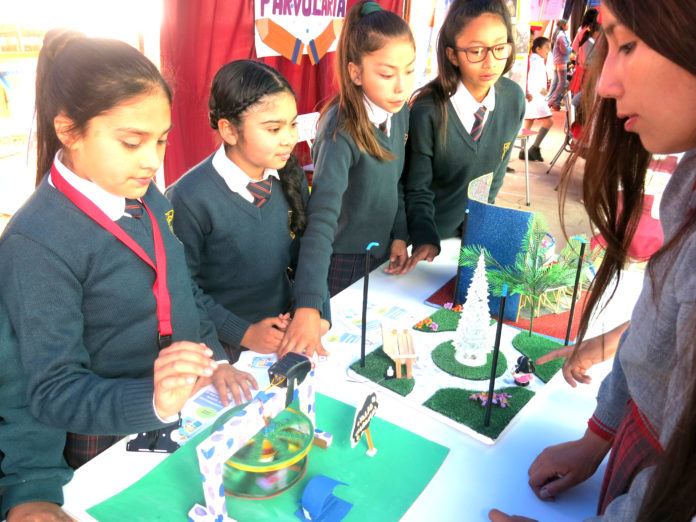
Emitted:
<point x="615" y="170"/>
<point x="460" y="13"/>
<point x="236" y="88"/>
<point x="590" y="30"/>
<point x="82" y="78"/>
<point x="364" y="31"/>
<point x="616" y="161"/>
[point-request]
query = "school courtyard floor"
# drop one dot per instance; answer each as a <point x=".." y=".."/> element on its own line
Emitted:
<point x="542" y="193"/>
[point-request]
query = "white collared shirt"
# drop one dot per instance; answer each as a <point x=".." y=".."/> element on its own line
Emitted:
<point x="113" y="206"/>
<point x="377" y="115"/>
<point x="465" y="105"/>
<point x="235" y="178"/>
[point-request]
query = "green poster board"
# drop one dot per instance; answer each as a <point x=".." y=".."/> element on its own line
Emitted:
<point x="387" y="483"/>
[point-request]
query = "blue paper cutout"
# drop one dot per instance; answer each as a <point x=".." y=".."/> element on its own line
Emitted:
<point x="209" y="453"/>
<point x="320" y="504"/>
<point x="264" y="397"/>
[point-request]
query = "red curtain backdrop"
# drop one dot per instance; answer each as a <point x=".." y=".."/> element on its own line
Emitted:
<point x="197" y="38"/>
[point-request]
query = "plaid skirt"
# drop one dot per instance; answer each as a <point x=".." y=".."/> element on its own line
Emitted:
<point x="82" y="448"/>
<point x="346" y="269"/>
<point x="635" y="447"/>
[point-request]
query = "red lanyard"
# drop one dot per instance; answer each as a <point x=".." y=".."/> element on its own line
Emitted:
<point x="159" y="266"/>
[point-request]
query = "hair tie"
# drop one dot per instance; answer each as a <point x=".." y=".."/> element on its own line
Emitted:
<point x="369" y="8"/>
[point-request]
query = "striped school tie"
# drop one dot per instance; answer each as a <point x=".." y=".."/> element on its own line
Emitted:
<point x="261" y="191"/>
<point x="477" y="129"/>
<point x="133" y="208"/>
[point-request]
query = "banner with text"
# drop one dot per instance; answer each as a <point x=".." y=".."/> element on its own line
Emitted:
<point x="291" y="28"/>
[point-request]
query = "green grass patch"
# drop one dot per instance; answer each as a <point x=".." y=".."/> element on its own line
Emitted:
<point x="455" y="404"/>
<point x="535" y="346"/>
<point x="443" y="357"/>
<point x="376" y="364"/>
<point x="446" y="320"/>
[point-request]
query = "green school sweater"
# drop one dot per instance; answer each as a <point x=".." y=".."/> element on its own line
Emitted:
<point x="32" y="468"/>
<point x="82" y="307"/>
<point x="356" y="199"/>
<point x="438" y="170"/>
<point x="237" y="253"/>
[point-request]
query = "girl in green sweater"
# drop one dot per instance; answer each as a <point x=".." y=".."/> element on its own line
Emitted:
<point x="463" y="123"/>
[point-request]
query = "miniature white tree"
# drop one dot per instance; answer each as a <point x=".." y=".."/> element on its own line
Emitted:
<point x="472" y="340"/>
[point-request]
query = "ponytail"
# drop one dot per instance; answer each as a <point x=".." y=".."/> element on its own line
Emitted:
<point x="81" y="78"/>
<point x="47" y="140"/>
<point x="366" y="29"/>
<point x="292" y="181"/>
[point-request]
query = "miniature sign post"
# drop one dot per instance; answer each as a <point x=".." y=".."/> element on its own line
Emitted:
<point x="462" y="229"/>
<point x="575" y="289"/>
<point x="361" y="423"/>
<point x="496" y="351"/>
<point x="364" y="304"/>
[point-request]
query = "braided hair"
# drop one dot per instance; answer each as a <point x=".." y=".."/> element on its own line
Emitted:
<point x="237" y="87"/>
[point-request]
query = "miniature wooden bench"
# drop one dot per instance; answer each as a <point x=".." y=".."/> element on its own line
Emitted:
<point x="399" y="347"/>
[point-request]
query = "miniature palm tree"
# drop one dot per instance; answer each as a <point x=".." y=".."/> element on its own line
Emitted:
<point x="530" y="275"/>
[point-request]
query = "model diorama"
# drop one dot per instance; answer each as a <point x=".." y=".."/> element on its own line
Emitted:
<point x="457" y="377"/>
<point x="258" y="461"/>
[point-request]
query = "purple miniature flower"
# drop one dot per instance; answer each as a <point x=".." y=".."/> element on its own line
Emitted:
<point x="447" y="306"/>
<point x="434" y="326"/>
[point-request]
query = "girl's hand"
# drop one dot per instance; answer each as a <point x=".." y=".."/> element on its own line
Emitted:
<point x="284" y="321"/>
<point x="529" y="98"/>
<point x="563" y="466"/>
<point x="265" y="336"/>
<point x="38" y="512"/>
<point x="397" y="258"/>
<point x="544" y="92"/>
<point x="227" y="377"/>
<point x="498" y="516"/>
<point x="324" y="326"/>
<point x="303" y="335"/>
<point x="422" y="252"/>
<point x="177" y="368"/>
<point x="589" y="352"/>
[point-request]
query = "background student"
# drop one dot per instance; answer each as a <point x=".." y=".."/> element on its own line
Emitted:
<point x="358" y="157"/>
<point x="561" y="56"/>
<point x="240" y="213"/>
<point x="643" y="404"/>
<point x="463" y="123"/>
<point x="537" y="109"/>
<point x="96" y="283"/>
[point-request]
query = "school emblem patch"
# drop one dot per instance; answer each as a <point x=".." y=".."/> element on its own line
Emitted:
<point x="506" y="147"/>
<point x="170" y="219"/>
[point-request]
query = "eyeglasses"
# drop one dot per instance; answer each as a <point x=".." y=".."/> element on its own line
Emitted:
<point x="478" y="53"/>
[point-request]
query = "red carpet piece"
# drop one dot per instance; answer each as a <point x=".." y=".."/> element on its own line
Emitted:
<point x="552" y="325"/>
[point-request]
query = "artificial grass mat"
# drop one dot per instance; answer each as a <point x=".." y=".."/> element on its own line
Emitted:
<point x="446" y="320"/>
<point x="376" y="364"/>
<point x="443" y="357"/>
<point x="455" y="404"/>
<point x="535" y="346"/>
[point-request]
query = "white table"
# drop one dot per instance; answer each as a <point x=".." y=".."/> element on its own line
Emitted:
<point x="461" y="490"/>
